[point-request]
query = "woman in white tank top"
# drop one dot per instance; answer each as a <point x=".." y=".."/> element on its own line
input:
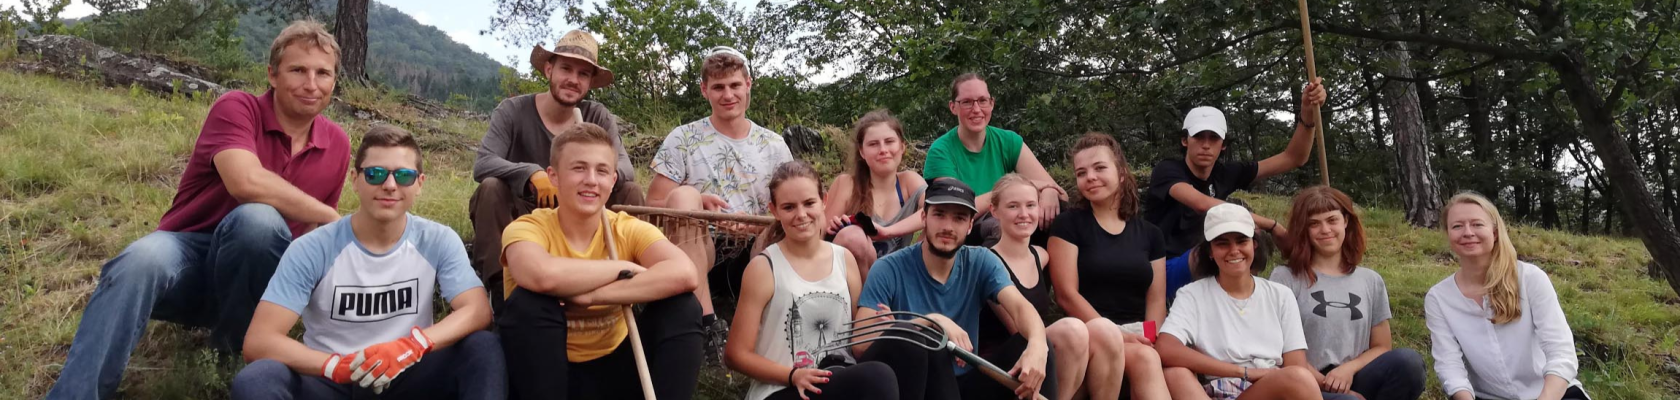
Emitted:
<point x="796" y="298"/>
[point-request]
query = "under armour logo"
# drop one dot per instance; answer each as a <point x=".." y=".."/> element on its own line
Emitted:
<point x="1353" y="301"/>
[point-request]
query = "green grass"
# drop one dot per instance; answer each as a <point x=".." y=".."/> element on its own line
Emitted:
<point x="87" y="170"/>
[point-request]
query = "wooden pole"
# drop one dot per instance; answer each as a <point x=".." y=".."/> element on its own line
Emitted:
<point x="1312" y="74"/>
<point x="630" y="319"/>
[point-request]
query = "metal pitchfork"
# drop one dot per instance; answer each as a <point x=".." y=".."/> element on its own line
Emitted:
<point x="931" y="337"/>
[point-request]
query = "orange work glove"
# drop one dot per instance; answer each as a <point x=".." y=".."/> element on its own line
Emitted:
<point x="376" y="366"/>
<point x="336" y="369"/>
<point x="547" y="195"/>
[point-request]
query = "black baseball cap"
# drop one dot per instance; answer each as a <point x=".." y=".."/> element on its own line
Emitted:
<point x="950" y="191"/>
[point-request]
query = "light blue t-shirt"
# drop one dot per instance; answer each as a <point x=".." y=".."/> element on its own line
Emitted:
<point x="350" y="298"/>
<point x="900" y="280"/>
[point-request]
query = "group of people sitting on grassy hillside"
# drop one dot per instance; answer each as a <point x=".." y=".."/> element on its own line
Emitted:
<point x="1158" y="284"/>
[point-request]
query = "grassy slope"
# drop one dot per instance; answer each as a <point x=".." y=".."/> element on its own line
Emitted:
<point x="87" y="170"/>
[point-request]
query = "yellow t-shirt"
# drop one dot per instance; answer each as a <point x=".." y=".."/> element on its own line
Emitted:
<point x="598" y="330"/>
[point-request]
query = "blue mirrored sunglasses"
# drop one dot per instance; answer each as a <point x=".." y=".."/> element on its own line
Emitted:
<point x="376" y="176"/>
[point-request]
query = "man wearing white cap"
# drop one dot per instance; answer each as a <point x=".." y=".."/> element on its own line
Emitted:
<point x="514" y="153"/>
<point x="1182" y="190"/>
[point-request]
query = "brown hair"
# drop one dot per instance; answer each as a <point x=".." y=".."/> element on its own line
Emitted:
<point x="1503" y="292"/>
<point x="1318" y="200"/>
<point x="306" y="31"/>
<point x="787" y="171"/>
<point x="1008" y="180"/>
<point x="582" y="132"/>
<point x="719" y="65"/>
<point x="965" y="77"/>
<point x="1128" y="191"/>
<point x="865" y="197"/>
<point x="387" y="135"/>
<point x="793" y="169"/>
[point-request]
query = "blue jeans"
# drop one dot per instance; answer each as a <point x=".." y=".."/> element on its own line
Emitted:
<point x="470" y="369"/>
<point x="198" y="279"/>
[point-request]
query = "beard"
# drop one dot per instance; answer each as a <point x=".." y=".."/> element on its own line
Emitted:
<point x="943" y="253"/>
<point x="554" y="93"/>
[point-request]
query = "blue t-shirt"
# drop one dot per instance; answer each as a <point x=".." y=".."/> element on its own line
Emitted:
<point x="901" y="281"/>
<point x="350" y="298"/>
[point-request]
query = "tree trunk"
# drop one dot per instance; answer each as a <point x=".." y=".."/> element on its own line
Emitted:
<point x="352" y="34"/>
<point x="1420" y="191"/>
<point x="1631" y="192"/>
<point x="1481" y="132"/>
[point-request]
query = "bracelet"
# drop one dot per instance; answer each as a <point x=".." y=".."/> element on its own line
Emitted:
<point x="1245" y="374"/>
<point x="790" y="375"/>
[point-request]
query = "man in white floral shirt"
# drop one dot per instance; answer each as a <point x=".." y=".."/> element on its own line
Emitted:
<point x="719" y="163"/>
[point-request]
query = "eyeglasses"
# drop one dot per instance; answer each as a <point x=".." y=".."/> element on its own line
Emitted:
<point x="376" y="175"/>
<point x="983" y="102"/>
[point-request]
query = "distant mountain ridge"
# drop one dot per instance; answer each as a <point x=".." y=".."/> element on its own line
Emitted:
<point x="403" y="54"/>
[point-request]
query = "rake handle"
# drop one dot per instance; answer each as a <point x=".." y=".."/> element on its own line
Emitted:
<point x="630" y="320"/>
<point x="1312" y="73"/>
<point x="991" y="370"/>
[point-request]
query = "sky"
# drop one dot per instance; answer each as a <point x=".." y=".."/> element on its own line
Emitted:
<point x="461" y="19"/>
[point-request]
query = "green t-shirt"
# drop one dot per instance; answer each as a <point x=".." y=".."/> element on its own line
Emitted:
<point x="947" y="158"/>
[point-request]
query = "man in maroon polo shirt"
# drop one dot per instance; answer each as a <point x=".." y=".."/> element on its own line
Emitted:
<point x="265" y="169"/>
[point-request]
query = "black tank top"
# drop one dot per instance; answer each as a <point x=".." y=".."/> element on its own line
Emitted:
<point x="992" y="331"/>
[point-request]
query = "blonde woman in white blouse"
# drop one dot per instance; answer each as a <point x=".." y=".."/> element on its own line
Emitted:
<point x="1496" y="326"/>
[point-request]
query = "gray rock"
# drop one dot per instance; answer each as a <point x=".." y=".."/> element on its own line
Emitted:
<point x="802" y="141"/>
<point x="73" y="55"/>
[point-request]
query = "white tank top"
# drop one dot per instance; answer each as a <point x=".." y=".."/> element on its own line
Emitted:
<point x="801" y="317"/>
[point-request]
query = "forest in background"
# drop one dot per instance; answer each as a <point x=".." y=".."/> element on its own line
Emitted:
<point x="1563" y="111"/>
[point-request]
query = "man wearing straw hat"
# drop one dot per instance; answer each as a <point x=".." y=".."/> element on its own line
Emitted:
<point x="514" y="153"/>
<point x="572" y="269"/>
<point x="719" y="163"/>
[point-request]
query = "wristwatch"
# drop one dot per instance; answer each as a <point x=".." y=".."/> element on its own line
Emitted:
<point x="626" y="274"/>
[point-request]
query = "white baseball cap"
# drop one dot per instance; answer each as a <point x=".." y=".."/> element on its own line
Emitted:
<point x="1205" y="118"/>
<point x="1227" y="218"/>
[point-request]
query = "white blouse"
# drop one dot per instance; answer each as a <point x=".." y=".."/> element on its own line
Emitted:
<point x="1504" y="361"/>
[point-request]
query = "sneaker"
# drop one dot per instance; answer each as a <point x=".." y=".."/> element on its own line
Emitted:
<point x="717" y="334"/>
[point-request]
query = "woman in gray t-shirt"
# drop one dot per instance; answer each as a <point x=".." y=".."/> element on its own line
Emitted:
<point x="1344" y="307"/>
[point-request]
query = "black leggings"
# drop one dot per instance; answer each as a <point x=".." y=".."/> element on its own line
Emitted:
<point x="1573" y="393"/>
<point x="870" y="380"/>
<point x="921" y="374"/>
<point x="533" y="329"/>
<point x="976" y="385"/>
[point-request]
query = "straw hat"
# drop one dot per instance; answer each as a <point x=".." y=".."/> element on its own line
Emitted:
<point x="576" y="44"/>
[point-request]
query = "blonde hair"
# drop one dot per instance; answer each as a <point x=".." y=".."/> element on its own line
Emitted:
<point x="1007" y="181"/>
<point x="305" y="31"/>
<point x="1503" y="292"/>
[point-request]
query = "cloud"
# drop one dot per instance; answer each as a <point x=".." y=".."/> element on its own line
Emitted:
<point x="467" y="37"/>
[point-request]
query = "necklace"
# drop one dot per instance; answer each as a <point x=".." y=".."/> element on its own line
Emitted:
<point x="1242" y="305"/>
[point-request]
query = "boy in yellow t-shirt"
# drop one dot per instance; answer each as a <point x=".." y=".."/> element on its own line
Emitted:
<point x="562" y="288"/>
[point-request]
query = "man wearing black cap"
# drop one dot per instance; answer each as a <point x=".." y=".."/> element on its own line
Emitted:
<point x="951" y="283"/>
<point x="514" y="153"/>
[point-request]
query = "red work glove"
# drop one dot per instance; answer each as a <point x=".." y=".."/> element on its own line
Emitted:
<point x="336" y="369"/>
<point x="376" y="366"/>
